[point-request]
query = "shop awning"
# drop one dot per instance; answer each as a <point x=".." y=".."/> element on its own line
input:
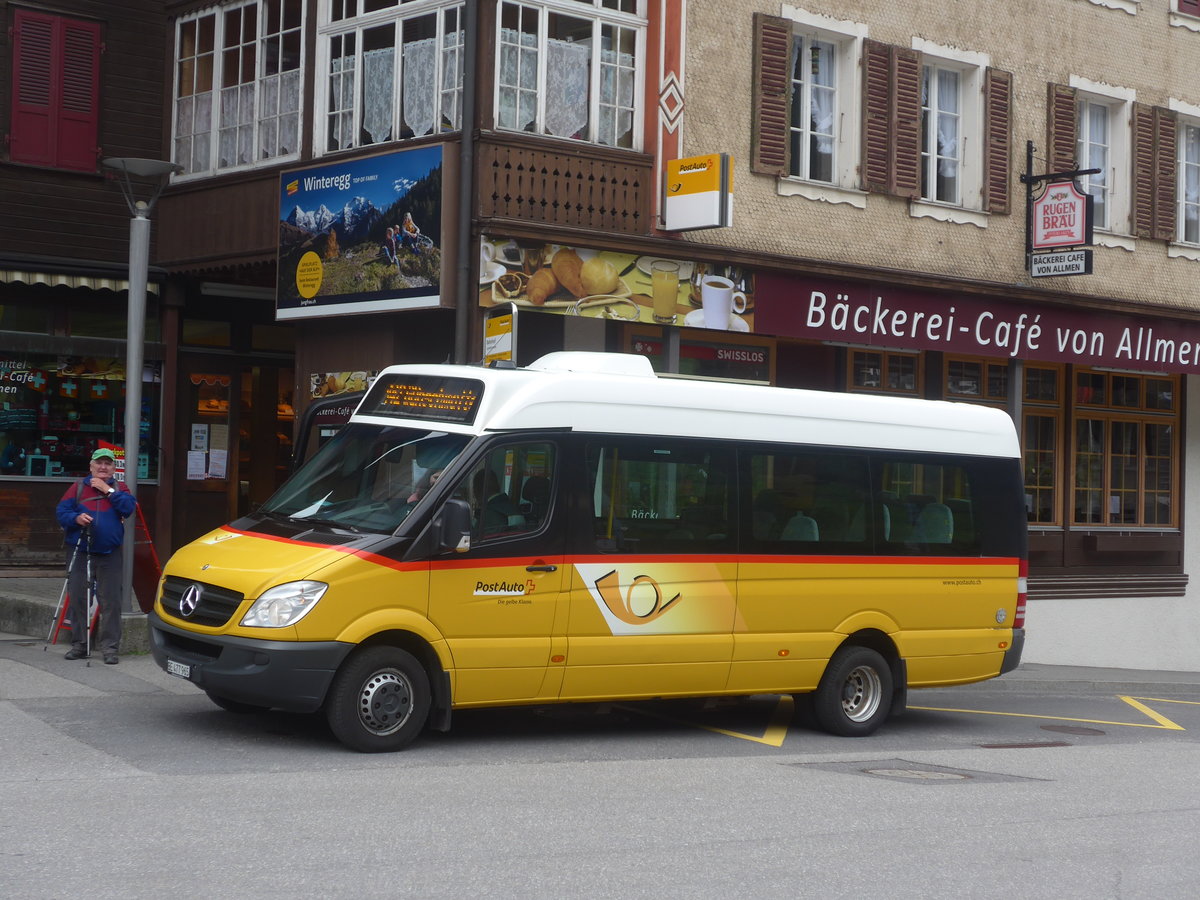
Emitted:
<point x="93" y="282"/>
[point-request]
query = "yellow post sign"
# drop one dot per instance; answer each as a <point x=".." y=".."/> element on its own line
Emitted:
<point x="699" y="193"/>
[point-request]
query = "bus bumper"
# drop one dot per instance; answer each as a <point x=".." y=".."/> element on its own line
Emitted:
<point x="278" y="674"/>
<point x="1012" y="656"/>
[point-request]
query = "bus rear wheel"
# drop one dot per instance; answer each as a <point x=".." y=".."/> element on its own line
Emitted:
<point x="379" y="700"/>
<point x="855" y="693"/>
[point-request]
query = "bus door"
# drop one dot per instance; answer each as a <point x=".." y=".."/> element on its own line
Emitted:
<point x="652" y="606"/>
<point x="500" y="604"/>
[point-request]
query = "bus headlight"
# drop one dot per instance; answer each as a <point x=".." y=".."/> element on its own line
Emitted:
<point x="284" y="604"/>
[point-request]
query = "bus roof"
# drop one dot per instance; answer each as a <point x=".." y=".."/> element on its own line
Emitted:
<point x="620" y="393"/>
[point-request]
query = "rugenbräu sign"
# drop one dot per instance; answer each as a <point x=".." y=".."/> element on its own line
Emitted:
<point x="906" y="319"/>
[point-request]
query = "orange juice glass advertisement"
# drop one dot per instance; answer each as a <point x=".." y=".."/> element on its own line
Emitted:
<point x="664" y="285"/>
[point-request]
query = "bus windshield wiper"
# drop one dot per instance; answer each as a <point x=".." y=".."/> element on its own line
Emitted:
<point x="328" y="523"/>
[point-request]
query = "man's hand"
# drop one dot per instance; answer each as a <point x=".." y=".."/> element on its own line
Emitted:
<point x="83" y="520"/>
<point x="99" y="484"/>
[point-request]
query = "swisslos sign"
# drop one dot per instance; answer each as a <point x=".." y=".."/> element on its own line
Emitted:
<point x="906" y="319"/>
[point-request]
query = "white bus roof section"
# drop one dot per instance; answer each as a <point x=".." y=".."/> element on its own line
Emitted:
<point x="620" y="393"/>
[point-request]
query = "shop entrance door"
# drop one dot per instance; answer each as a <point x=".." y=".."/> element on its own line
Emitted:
<point x="234" y="434"/>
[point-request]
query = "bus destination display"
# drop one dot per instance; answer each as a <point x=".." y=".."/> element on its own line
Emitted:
<point x="424" y="397"/>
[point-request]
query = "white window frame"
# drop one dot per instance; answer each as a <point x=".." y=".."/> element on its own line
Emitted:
<point x="971" y="67"/>
<point x="353" y="27"/>
<point x="254" y="119"/>
<point x="1117" y="229"/>
<point x="601" y="13"/>
<point x="1189" y="167"/>
<point x="847" y="38"/>
<point x="1188" y="117"/>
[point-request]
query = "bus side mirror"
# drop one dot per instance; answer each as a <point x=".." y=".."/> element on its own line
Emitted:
<point x="454" y="526"/>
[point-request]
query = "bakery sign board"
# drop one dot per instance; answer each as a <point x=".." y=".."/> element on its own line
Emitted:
<point x="1062" y="217"/>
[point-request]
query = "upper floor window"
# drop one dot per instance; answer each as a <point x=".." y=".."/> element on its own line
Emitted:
<point x="389" y="71"/>
<point x="1089" y="126"/>
<point x="568" y="71"/>
<point x="941" y="134"/>
<point x="55" y="111"/>
<point x="1189" y="182"/>
<point x="1093" y="145"/>
<point x="238" y="85"/>
<point x="814" y="108"/>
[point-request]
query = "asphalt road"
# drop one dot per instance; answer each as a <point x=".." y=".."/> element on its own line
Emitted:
<point x="124" y="780"/>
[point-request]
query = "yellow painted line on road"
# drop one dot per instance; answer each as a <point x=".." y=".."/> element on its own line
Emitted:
<point x="773" y="736"/>
<point x="1163" y="722"/>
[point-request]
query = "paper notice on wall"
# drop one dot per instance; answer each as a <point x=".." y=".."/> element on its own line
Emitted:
<point x="196" y="465"/>
<point x="199" y="436"/>
<point x="218" y="437"/>
<point x="217" y="464"/>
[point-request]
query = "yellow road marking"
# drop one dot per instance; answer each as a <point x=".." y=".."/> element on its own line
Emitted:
<point x="1163" y="722"/>
<point x="773" y="736"/>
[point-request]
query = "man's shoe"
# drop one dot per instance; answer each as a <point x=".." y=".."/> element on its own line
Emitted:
<point x="110" y="659"/>
<point x="74" y="653"/>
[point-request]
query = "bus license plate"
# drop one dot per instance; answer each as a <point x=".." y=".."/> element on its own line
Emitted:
<point x="183" y="670"/>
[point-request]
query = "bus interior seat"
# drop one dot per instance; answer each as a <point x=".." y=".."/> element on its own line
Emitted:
<point x="935" y="524"/>
<point x="801" y="528"/>
<point x="535" y="498"/>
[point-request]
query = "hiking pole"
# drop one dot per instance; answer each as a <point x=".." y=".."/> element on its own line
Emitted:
<point x="88" y="594"/>
<point x="62" y="598"/>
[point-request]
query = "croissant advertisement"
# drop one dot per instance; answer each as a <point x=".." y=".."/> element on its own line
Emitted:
<point x="608" y="284"/>
<point x="361" y="236"/>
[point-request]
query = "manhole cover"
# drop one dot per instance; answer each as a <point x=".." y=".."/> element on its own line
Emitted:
<point x="904" y="770"/>
<point x="1071" y="729"/>
<point x="925" y="774"/>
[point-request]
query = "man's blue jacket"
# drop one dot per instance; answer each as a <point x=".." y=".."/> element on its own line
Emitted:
<point x="108" y="515"/>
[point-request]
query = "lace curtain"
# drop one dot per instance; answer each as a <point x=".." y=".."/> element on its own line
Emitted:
<point x="566" y="85"/>
<point x="420" y="89"/>
<point x="379" y="77"/>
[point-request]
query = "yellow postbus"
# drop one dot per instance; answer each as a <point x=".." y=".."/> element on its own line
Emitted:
<point x="585" y="530"/>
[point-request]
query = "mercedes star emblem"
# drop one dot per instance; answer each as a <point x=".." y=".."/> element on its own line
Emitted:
<point x="190" y="600"/>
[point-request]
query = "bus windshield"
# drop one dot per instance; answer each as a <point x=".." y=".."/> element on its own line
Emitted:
<point x="367" y="478"/>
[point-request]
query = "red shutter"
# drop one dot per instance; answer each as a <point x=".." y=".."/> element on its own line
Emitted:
<point x="877" y="117"/>
<point x="1061" y="128"/>
<point x="770" y="136"/>
<point x="1191" y="7"/>
<point x="997" y="141"/>
<point x="79" y="114"/>
<point x="906" y="122"/>
<point x="56" y="73"/>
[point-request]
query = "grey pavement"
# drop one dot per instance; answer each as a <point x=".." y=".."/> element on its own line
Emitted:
<point x="27" y="609"/>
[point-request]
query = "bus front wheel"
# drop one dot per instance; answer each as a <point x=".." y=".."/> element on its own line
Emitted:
<point x="379" y="700"/>
<point x="855" y="693"/>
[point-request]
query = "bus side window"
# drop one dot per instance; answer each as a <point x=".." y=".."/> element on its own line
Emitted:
<point x="524" y="471"/>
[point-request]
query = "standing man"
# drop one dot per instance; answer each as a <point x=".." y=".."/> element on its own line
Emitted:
<point x="92" y="512"/>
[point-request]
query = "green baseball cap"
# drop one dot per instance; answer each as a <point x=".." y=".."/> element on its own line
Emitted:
<point x="104" y="453"/>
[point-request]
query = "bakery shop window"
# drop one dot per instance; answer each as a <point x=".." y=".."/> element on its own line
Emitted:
<point x="56" y="410"/>
<point x="571" y="76"/>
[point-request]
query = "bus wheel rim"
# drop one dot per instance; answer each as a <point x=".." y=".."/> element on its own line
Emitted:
<point x="385" y="702"/>
<point x="862" y="693"/>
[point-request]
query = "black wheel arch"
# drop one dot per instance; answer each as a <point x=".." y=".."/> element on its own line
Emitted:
<point x="439" y="678"/>
<point x="882" y="643"/>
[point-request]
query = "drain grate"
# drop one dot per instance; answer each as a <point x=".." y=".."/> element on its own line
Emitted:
<point x="912" y="772"/>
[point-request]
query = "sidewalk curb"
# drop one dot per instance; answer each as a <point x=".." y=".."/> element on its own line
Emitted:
<point x="28" y="616"/>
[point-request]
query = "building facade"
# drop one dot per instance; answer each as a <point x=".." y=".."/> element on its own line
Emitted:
<point x="368" y="182"/>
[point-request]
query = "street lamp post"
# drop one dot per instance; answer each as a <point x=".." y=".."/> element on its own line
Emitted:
<point x="154" y="173"/>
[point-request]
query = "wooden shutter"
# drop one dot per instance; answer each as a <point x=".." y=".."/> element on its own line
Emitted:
<point x="1154" y="172"/>
<point x="1191" y="7"/>
<point x="906" y="123"/>
<point x="997" y="141"/>
<point x="877" y="117"/>
<point x="56" y="74"/>
<point x="1061" y="128"/>
<point x="770" y="151"/>
<point x="79" y="113"/>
